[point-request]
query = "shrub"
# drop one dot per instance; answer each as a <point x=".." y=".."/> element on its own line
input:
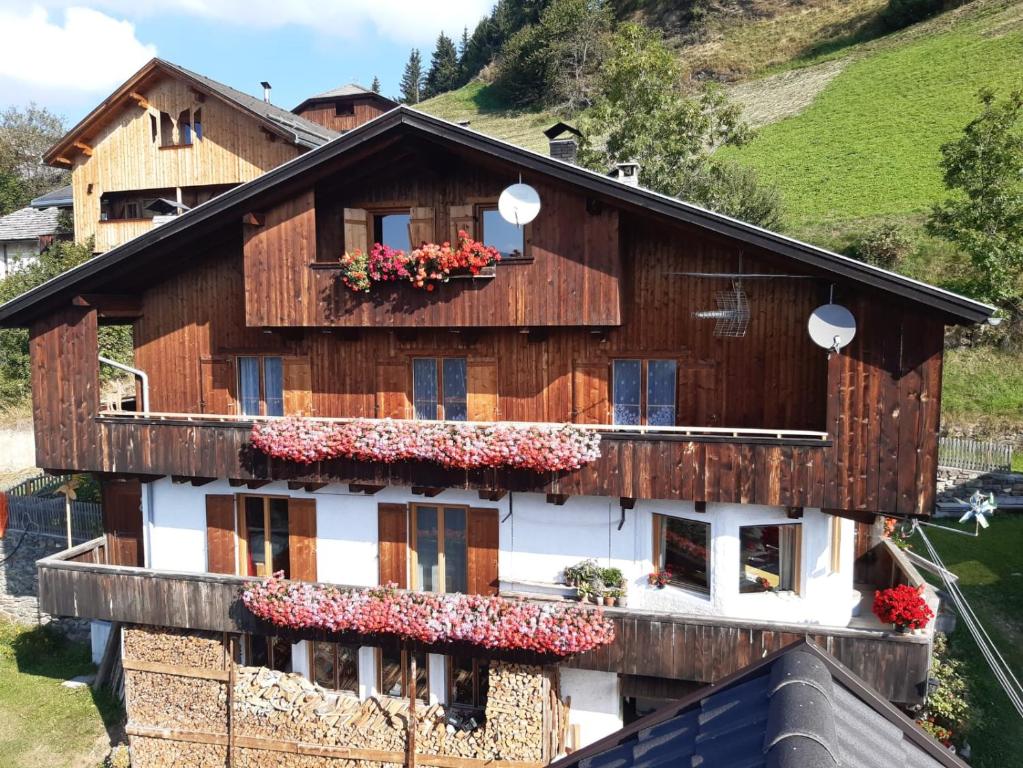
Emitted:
<point x="612" y="577"/>
<point x="883" y="246"/>
<point x="902" y="13"/>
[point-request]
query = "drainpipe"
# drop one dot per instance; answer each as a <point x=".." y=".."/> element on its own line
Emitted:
<point x="136" y="372"/>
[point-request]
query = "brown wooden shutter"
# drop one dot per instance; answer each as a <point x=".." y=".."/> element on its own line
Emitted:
<point x="461" y="217"/>
<point x="481" y="398"/>
<point x="392" y="399"/>
<point x="483" y="536"/>
<point x="217" y="380"/>
<point x="302" y="539"/>
<point x="220" y="534"/>
<point x="590" y="393"/>
<point x="298" y="395"/>
<point x="357" y="232"/>
<point x="122" y="521"/>
<point x="392" y="537"/>
<point x="420" y="226"/>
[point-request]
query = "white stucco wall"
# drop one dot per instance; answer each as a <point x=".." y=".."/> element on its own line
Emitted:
<point x="596" y="703"/>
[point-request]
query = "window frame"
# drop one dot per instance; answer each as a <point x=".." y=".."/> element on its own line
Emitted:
<point x="335" y="650"/>
<point x="245" y="648"/>
<point x="344" y="108"/>
<point x="262" y="358"/>
<point x="660" y="531"/>
<point x="644" y="389"/>
<point x="243" y="541"/>
<point x="376" y="215"/>
<point x="403" y="655"/>
<point x="797" y="558"/>
<point x="413" y="545"/>
<point x="480" y="233"/>
<point x="441" y="404"/>
<point x="479" y="703"/>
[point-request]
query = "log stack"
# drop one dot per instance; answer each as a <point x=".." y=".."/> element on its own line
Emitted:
<point x="201" y="650"/>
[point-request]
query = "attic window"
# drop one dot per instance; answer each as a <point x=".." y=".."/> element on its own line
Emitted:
<point x="197" y="124"/>
<point x="154" y="127"/>
<point x="185" y="128"/>
<point x="344" y="108"/>
<point x="166" y="130"/>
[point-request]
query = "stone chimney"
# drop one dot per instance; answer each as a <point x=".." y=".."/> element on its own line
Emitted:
<point x="563" y="147"/>
<point x="266" y="91"/>
<point x="627" y="173"/>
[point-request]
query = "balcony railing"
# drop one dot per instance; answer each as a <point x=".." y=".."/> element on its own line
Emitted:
<point x="77" y="583"/>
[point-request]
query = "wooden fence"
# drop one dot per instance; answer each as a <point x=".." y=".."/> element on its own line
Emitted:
<point x="974" y="455"/>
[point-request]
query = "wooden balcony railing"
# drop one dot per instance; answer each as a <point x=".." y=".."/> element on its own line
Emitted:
<point x="77" y="583"/>
<point x="754" y="466"/>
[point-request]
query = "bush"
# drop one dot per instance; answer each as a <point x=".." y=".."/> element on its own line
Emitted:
<point x="947" y="716"/>
<point x="883" y="246"/>
<point x="902" y="13"/>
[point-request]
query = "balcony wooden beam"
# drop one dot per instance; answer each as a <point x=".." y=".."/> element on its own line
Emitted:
<point x="426" y="490"/>
<point x="110" y="305"/>
<point x="492" y="495"/>
<point x="297" y="485"/>
<point x="557" y="499"/>
<point x="366" y="488"/>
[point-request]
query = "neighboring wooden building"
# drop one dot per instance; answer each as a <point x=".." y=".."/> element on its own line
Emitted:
<point x="344" y="107"/>
<point x="24" y="234"/>
<point x="739" y="464"/>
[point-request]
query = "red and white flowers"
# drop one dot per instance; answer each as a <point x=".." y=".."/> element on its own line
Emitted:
<point x="424" y="267"/>
<point x="463" y="446"/>
<point x="488" y="622"/>
<point x="903" y="606"/>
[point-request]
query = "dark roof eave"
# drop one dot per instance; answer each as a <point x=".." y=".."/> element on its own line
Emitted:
<point x="957" y="308"/>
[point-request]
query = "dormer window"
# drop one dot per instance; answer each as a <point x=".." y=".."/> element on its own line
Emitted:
<point x="343" y="108"/>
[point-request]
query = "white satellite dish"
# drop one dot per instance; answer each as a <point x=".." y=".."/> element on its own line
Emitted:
<point x="519" y="204"/>
<point x="831" y="326"/>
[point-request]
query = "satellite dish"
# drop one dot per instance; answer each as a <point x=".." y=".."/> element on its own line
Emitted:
<point x="519" y="204"/>
<point x="831" y="326"/>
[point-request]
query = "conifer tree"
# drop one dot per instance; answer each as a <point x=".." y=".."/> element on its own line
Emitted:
<point x="376" y="84"/>
<point x="443" y="74"/>
<point x="412" y="79"/>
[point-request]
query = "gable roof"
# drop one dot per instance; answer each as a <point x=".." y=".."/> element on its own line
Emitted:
<point x="798" y="708"/>
<point x="28" y="224"/>
<point x="289" y="126"/>
<point x="62" y="197"/>
<point x="135" y="253"/>
<point x="344" y="91"/>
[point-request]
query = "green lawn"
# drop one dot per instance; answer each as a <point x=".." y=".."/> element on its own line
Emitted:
<point x="983" y="385"/>
<point x="43" y="725"/>
<point x="868" y="145"/>
<point x="990" y="570"/>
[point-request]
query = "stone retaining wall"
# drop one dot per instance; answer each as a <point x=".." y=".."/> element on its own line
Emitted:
<point x="956" y="483"/>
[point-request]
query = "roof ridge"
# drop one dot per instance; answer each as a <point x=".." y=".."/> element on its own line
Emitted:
<point x="800" y="709"/>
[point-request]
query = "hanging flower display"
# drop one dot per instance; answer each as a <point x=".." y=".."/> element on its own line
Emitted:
<point x="903" y="606"/>
<point x="539" y="448"/>
<point x="488" y="622"/>
<point x="424" y="267"/>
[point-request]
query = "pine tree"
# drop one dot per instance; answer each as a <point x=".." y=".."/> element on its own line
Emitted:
<point x="411" y="85"/>
<point x="443" y="74"/>
<point x="376" y="84"/>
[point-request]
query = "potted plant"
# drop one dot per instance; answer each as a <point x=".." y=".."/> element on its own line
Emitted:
<point x="612" y="577"/>
<point x="903" y="606"/>
<point x="583" y="572"/>
<point x="659" y="578"/>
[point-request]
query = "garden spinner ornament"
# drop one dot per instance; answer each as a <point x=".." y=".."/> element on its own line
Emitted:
<point x="980" y="507"/>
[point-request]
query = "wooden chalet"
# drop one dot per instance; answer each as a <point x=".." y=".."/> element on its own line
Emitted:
<point x="745" y="470"/>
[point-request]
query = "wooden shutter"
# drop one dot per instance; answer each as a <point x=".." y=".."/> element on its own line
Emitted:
<point x="393" y="390"/>
<point x="590" y="393"/>
<point x="302" y="539"/>
<point x="122" y="521"/>
<point x="220" y="534"/>
<point x="298" y="396"/>
<point x="392" y="537"/>
<point x="483" y="535"/>
<point x="461" y="217"/>
<point x="420" y="226"/>
<point x="217" y="381"/>
<point x="356" y="229"/>
<point x="481" y="398"/>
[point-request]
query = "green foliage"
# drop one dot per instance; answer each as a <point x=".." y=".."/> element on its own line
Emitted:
<point x="13" y="193"/>
<point x="902" y="13"/>
<point x="555" y="61"/>
<point x="25" y="134"/>
<point x="411" y="85"/>
<point x="948" y="704"/>
<point x="582" y="573"/>
<point x="984" y="214"/>
<point x="444" y="72"/>
<point x="491" y="33"/>
<point x="612" y="577"/>
<point x="884" y="245"/>
<point x="982" y="383"/>
<point x="375" y="87"/>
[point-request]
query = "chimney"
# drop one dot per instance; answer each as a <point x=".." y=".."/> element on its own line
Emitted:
<point x="562" y="147"/>
<point x="627" y="173"/>
<point x="266" y="91"/>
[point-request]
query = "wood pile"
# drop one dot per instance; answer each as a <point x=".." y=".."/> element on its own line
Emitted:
<point x="261" y="758"/>
<point x="515" y="711"/>
<point x="170" y="701"/>
<point x="203" y="650"/>
<point x="165" y="753"/>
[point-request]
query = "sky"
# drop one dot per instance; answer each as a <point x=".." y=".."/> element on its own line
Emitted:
<point x="68" y="56"/>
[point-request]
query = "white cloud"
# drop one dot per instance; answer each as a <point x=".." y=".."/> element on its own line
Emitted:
<point x="88" y="52"/>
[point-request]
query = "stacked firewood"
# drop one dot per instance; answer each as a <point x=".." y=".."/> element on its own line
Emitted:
<point x="202" y="650"/>
<point x="171" y="701"/>
<point x="515" y="711"/>
<point x="176" y="754"/>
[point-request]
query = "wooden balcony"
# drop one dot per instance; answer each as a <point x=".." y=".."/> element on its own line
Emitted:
<point x="783" y="468"/>
<point x="78" y="583"/>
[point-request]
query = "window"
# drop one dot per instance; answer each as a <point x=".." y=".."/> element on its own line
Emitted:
<point x="266" y="651"/>
<point x="132" y="210"/>
<point x="185" y="128"/>
<point x="682" y="548"/>
<point x="261" y="386"/>
<point x="836" y="544"/>
<point x="770" y="558"/>
<point x="335" y="666"/>
<point x="439" y="388"/>
<point x="263" y="534"/>
<point x="506" y="237"/>
<point x="342" y="108"/>
<point x="197" y="124"/>
<point x="643" y="392"/>
<point x="468" y="681"/>
<point x="166" y="130"/>
<point x="393" y="671"/>
<point x="154" y="127"/>
<point x="440" y="560"/>
<point x="392" y="229"/>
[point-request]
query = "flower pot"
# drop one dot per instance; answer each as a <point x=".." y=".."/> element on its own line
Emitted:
<point x="608" y="600"/>
<point x="622" y="601"/>
<point x="902" y="630"/>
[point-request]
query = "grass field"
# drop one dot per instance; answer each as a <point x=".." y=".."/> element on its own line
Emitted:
<point x="983" y="384"/>
<point x="990" y="571"/>
<point x="43" y="725"/>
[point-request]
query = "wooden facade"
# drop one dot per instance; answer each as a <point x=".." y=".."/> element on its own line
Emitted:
<point x="344" y="113"/>
<point x="673" y="646"/>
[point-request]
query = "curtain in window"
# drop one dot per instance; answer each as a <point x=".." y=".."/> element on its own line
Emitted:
<point x="626" y="391"/>
<point x="273" y="384"/>
<point x="660" y="393"/>
<point x="424" y="387"/>
<point x="248" y="385"/>
<point x="455" y="389"/>
<point x="427" y="549"/>
<point x="455" y="551"/>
